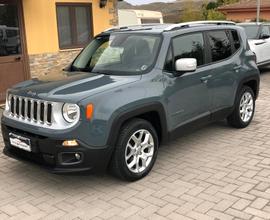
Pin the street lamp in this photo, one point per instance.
(258, 10)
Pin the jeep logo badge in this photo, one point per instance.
(31, 93)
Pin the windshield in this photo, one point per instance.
(251, 31)
(119, 54)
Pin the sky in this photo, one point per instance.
(139, 2)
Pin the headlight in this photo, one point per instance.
(7, 102)
(71, 112)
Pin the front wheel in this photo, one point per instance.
(136, 150)
(244, 108)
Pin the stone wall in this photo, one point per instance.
(53, 63)
(50, 63)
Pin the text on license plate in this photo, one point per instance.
(20, 142)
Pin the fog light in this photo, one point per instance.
(70, 158)
(78, 156)
(70, 143)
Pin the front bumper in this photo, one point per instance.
(48, 152)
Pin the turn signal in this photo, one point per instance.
(89, 111)
(70, 143)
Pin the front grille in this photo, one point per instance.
(33, 110)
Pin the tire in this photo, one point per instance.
(121, 163)
(237, 119)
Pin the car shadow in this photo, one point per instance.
(265, 69)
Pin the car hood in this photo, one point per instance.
(70, 86)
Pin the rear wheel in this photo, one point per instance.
(244, 108)
(136, 150)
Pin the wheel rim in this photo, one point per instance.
(139, 151)
(246, 107)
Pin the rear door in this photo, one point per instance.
(222, 68)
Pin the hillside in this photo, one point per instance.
(171, 11)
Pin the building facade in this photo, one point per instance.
(41, 37)
(246, 11)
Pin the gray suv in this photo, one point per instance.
(128, 91)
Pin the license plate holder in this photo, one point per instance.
(20, 142)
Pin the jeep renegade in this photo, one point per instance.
(129, 90)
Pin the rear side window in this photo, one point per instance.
(236, 39)
(220, 45)
(189, 46)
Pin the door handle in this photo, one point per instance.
(17, 58)
(206, 78)
(260, 43)
(237, 67)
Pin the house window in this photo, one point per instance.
(74, 25)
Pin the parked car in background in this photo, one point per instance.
(259, 41)
(9, 40)
(127, 17)
(129, 90)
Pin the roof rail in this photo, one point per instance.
(197, 23)
(131, 26)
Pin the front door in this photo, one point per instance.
(13, 63)
(187, 95)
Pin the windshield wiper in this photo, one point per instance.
(89, 70)
(98, 72)
(74, 68)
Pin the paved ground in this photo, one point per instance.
(215, 173)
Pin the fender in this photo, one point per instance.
(121, 118)
(247, 79)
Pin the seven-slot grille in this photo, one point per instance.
(33, 110)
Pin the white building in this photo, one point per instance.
(135, 17)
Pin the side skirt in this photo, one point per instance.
(189, 127)
(199, 123)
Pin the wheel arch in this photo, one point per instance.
(149, 112)
(253, 82)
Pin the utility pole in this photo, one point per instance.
(258, 10)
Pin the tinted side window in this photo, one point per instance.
(236, 39)
(189, 46)
(220, 45)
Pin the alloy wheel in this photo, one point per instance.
(246, 107)
(139, 151)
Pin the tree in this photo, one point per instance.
(226, 2)
(213, 14)
(190, 13)
(212, 5)
(209, 10)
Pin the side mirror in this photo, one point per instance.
(186, 65)
(265, 36)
